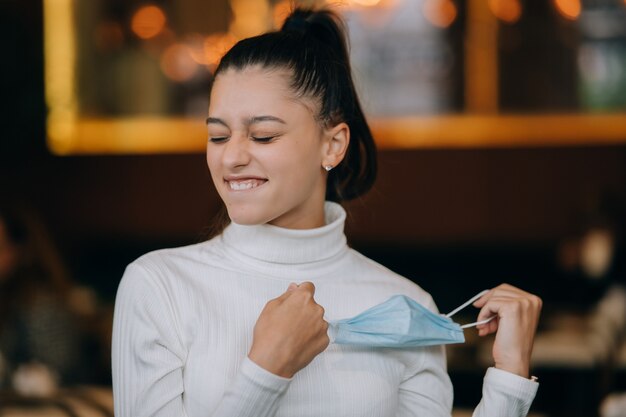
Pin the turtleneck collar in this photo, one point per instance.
(278, 245)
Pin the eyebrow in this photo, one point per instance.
(215, 121)
(248, 122)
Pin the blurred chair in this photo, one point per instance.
(468, 413)
(84, 402)
(613, 315)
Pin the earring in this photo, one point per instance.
(328, 167)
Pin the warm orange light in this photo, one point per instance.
(376, 5)
(250, 17)
(148, 22)
(214, 47)
(440, 13)
(367, 3)
(281, 11)
(508, 11)
(195, 43)
(60, 51)
(177, 63)
(569, 9)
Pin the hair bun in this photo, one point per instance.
(297, 21)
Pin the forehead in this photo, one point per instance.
(256, 89)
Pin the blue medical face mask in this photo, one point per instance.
(400, 322)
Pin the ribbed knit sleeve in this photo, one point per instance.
(505, 394)
(255, 392)
(149, 355)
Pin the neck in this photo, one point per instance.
(274, 244)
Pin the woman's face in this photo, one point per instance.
(266, 150)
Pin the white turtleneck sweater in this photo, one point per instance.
(183, 328)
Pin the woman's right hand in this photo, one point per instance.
(290, 332)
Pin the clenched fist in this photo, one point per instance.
(290, 332)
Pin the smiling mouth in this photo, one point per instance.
(243, 185)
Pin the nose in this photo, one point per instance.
(236, 151)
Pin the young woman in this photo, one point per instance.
(236, 326)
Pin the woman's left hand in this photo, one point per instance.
(517, 314)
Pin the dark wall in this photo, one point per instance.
(498, 195)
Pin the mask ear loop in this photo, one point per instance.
(478, 323)
(465, 304)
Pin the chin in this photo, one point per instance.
(247, 217)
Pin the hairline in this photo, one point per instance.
(311, 103)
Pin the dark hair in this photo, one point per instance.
(313, 46)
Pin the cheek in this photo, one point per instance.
(300, 164)
(212, 159)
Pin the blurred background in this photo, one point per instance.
(501, 127)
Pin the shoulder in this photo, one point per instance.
(388, 282)
(180, 257)
(162, 269)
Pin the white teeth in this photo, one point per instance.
(244, 185)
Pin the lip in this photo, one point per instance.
(243, 178)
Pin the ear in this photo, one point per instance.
(336, 141)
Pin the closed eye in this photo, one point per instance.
(218, 139)
(264, 139)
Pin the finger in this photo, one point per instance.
(291, 288)
(307, 286)
(492, 307)
(482, 300)
(508, 289)
(512, 288)
(490, 327)
(516, 308)
(503, 290)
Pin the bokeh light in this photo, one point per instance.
(569, 9)
(366, 3)
(281, 11)
(148, 22)
(508, 11)
(178, 64)
(215, 46)
(208, 50)
(250, 17)
(440, 13)
(195, 43)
